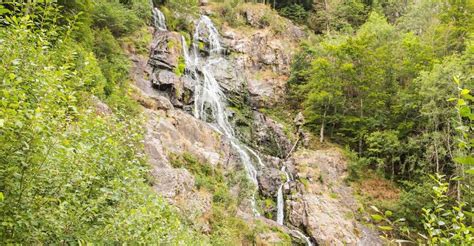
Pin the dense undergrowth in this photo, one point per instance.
(72, 170)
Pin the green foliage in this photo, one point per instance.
(387, 225)
(465, 124)
(141, 8)
(227, 227)
(383, 148)
(116, 17)
(179, 70)
(445, 223)
(176, 21)
(70, 173)
(344, 16)
(229, 11)
(112, 61)
(139, 41)
(207, 177)
(183, 7)
(294, 12)
(413, 198)
(382, 91)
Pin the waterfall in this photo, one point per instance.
(209, 99)
(159, 20)
(304, 237)
(281, 207)
(280, 200)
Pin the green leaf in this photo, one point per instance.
(465, 160)
(456, 80)
(388, 213)
(464, 111)
(461, 102)
(385, 228)
(470, 171)
(4, 10)
(465, 92)
(2, 122)
(376, 217)
(375, 208)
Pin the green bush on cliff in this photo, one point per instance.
(116, 17)
(227, 227)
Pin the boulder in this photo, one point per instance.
(166, 80)
(226, 74)
(269, 179)
(162, 103)
(263, 59)
(270, 136)
(165, 50)
(171, 182)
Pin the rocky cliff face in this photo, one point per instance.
(252, 75)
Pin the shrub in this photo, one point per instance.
(294, 12)
(69, 175)
(116, 17)
(113, 63)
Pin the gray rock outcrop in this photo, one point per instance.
(323, 204)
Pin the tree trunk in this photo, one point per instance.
(436, 155)
(361, 116)
(321, 132)
(326, 8)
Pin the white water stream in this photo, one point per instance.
(304, 237)
(280, 200)
(209, 100)
(159, 20)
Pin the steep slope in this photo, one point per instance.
(250, 65)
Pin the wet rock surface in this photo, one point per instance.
(269, 136)
(165, 50)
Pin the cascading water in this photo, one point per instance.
(209, 100)
(159, 20)
(280, 201)
(304, 237)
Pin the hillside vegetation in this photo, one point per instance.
(72, 169)
(390, 81)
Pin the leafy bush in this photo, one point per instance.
(229, 11)
(113, 63)
(176, 21)
(445, 223)
(139, 41)
(70, 173)
(184, 7)
(116, 17)
(294, 12)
